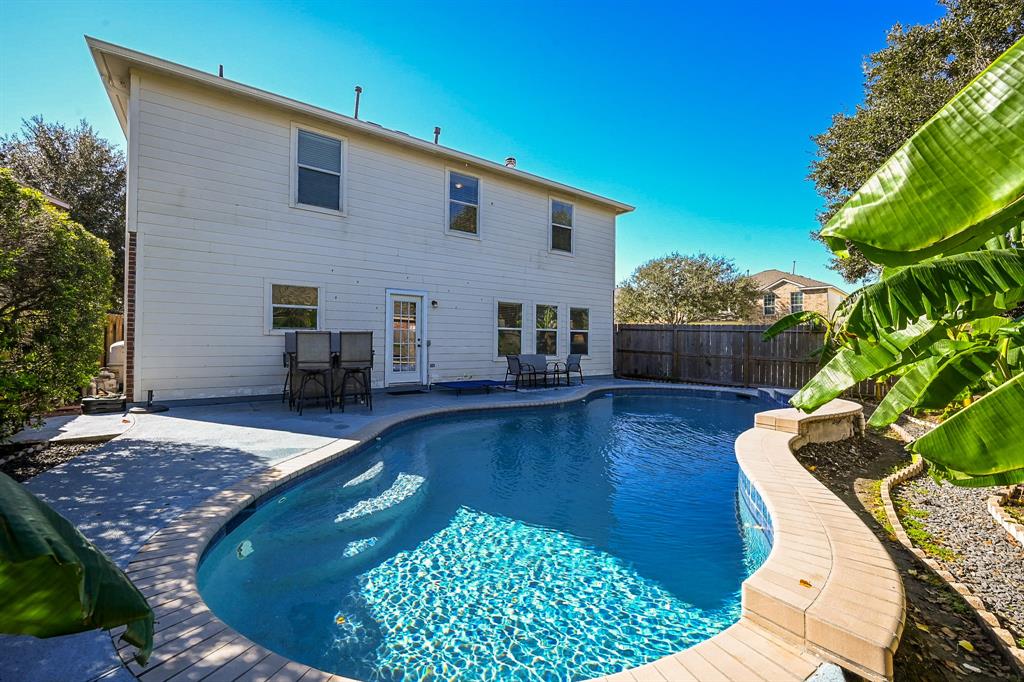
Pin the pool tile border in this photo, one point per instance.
(850, 611)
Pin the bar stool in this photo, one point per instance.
(314, 363)
(355, 362)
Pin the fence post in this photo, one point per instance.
(677, 370)
(747, 369)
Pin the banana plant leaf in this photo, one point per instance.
(981, 445)
(53, 581)
(934, 382)
(967, 481)
(955, 184)
(792, 320)
(973, 284)
(862, 360)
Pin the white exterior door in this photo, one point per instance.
(405, 339)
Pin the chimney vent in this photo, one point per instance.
(510, 162)
(359, 91)
(437, 133)
(220, 70)
(794, 268)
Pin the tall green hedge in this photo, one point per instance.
(55, 281)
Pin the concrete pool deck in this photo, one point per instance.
(167, 484)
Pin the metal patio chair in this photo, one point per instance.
(314, 364)
(573, 364)
(355, 363)
(288, 357)
(523, 372)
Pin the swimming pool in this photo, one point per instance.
(563, 542)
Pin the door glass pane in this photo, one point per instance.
(403, 342)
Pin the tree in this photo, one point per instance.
(905, 83)
(81, 169)
(55, 286)
(679, 289)
(944, 216)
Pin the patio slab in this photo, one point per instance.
(77, 428)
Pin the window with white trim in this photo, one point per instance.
(318, 170)
(547, 329)
(294, 307)
(579, 330)
(561, 226)
(796, 301)
(510, 328)
(769, 305)
(463, 203)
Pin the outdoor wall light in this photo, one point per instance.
(433, 304)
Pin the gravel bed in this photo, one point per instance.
(939, 621)
(23, 462)
(986, 560)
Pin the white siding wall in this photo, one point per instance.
(215, 225)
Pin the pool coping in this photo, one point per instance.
(786, 629)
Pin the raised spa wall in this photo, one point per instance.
(828, 591)
(828, 585)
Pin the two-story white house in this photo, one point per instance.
(250, 214)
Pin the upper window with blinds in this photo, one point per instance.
(318, 174)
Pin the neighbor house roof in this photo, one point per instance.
(115, 64)
(767, 278)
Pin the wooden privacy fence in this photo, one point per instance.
(727, 355)
(113, 331)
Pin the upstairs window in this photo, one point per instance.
(579, 330)
(547, 329)
(510, 328)
(796, 302)
(769, 305)
(318, 171)
(294, 307)
(463, 203)
(561, 226)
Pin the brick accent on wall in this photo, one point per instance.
(129, 318)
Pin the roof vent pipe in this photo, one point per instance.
(437, 133)
(359, 91)
(794, 268)
(510, 162)
(220, 70)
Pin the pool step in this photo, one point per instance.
(355, 555)
(364, 479)
(405, 488)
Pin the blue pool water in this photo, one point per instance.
(558, 543)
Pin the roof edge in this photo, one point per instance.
(102, 50)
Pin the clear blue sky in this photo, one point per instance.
(698, 115)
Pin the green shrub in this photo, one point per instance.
(55, 281)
